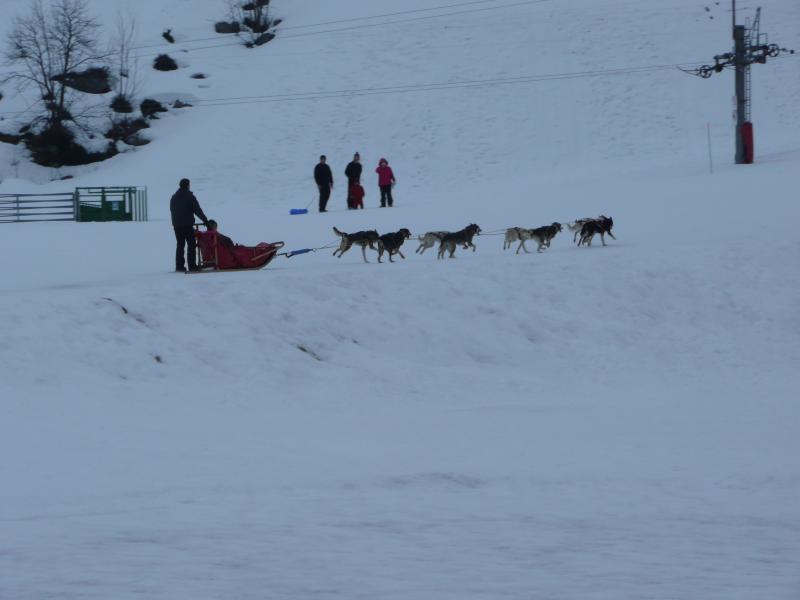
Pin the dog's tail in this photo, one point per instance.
(339, 233)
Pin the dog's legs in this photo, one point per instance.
(522, 246)
(603, 238)
(401, 254)
(612, 235)
(344, 248)
(364, 253)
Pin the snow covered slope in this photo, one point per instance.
(606, 422)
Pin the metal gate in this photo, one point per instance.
(111, 204)
(84, 204)
(25, 208)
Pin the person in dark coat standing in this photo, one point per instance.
(324, 178)
(385, 181)
(353, 174)
(184, 207)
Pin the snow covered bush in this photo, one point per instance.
(164, 62)
(120, 104)
(150, 108)
(127, 131)
(250, 18)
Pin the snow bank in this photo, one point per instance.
(599, 422)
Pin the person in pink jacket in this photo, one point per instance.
(385, 181)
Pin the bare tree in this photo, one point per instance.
(47, 45)
(124, 64)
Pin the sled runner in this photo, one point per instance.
(214, 256)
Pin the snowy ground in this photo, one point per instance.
(615, 422)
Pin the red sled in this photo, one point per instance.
(213, 256)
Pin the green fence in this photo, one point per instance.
(110, 204)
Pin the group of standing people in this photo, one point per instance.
(323, 176)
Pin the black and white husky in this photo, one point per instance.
(542, 235)
(602, 226)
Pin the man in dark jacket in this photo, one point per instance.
(184, 207)
(324, 179)
(353, 174)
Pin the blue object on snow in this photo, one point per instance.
(298, 211)
(296, 252)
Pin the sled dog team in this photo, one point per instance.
(584, 231)
(184, 207)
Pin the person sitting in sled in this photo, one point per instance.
(356, 196)
(222, 240)
(220, 252)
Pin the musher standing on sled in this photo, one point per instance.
(184, 207)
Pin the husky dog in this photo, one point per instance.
(391, 242)
(517, 234)
(429, 239)
(463, 237)
(601, 225)
(576, 226)
(544, 235)
(359, 238)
